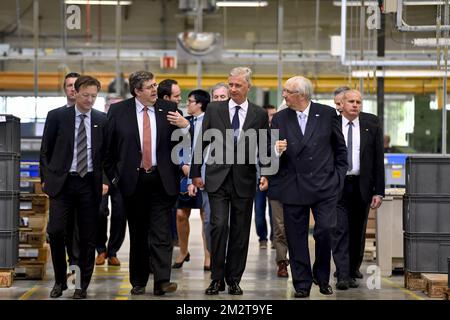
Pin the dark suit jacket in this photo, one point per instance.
(124, 153)
(313, 167)
(371, 157)
(217, 117)
(57, 148)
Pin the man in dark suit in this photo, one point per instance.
(311, 172)
(72, 153)
(231, 185)
(363, 187)
(139, 162)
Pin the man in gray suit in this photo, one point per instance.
(231, 186)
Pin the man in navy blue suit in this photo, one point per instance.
(313, 163)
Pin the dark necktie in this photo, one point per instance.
(82, 148)
(192, 130)
(350, 146)
(235, 124)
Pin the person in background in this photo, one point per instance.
(168, 89)
(118, 222)
(193, 199)
(72, 153)
(338, 95)
(363, 187)
(220, 92)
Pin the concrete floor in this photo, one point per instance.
(259, 281)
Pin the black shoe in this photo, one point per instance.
(353, 283)
(137, 290)
(79, 294)
(234, 289)
(302, 293)
(178, 265)
(357, 275)
(315, 281)
(214, 287)
(165, 287)
(57, 290)
(342, 285)
(325, 289)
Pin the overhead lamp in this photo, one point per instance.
(399, 73)
(242, 3)
(100, 2)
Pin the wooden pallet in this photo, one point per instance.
(414, 281)
(31, 271)
(436, 284)
(6, 278)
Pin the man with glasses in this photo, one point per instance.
(313, 163)
(139, 163)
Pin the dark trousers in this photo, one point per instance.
(296, 223)
(260, 215)
(72, 240)
(78, 195)
(229, 243)
(118, 223)
(349, 236)
(148, 214)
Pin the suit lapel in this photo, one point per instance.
(71, 114)
(250, 117)
(224, 113)
(131, 113)
(160, 122)
(94, 132)
(311, 124)
(364, 132)
(293, 123)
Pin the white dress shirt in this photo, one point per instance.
(87, 125)
(140, 120)
(356, 143)
(242, 112)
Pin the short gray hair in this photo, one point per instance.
(302, 85)
(137, 79)
(218, 86)
(340, 90)
(245, 71)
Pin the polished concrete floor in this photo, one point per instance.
(259, 281)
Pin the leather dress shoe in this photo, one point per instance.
(357, 275)
(342, 284)
(57, 290)
(352, 283)
(101, 258)
(178, 265)
(325, 289)
(113, 261)
(282, 269)
(214, 287)
(302, 293)
(234, 289)
(79, 294)
(165, 287)
(137, 290)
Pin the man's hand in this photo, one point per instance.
(198, 182)
(105, 189)
(281, 146)
(185, 169)
(192, 190)
(263, 184)
(177, 119)
(376, 202)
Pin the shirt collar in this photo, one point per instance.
(78, 112)
(140, 106)
(345, 121)
(199, 117)
(306, 111)
(232, 105)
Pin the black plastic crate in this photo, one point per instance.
(9, 249)
(428, 175)
(426, 252)
(9, 172)
(426, 214)
(9, 211)
(9, 133)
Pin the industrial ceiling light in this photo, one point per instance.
(100, 2)
(242, 3)
(399, 73)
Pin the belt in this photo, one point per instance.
(152, 169)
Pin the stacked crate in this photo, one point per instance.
(426, 214)
(33, 249)
(9, 196)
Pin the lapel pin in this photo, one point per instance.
(159, 109)
(367, 129)
(317, 115)
(95, 125)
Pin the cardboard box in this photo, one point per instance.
(6, 278)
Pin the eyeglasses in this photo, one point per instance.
(290, 92)
(151, 86)
(190, 101)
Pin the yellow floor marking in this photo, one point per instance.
(29, 293)
(409, 292)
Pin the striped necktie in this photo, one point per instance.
(82, 165)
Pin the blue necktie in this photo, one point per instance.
(235, 124)
(192, 130)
